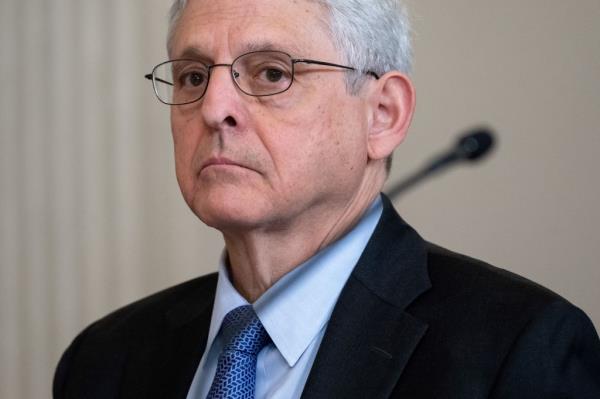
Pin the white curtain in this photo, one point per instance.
(87, 187)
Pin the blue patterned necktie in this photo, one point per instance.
(244, 337)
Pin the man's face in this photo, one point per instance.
(267, 163)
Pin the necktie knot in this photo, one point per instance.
(242, 331)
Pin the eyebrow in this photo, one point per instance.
(191, 53)
(195, 53)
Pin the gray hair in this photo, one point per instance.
(370, 35)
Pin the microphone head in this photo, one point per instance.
(475, 144)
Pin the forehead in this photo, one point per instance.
(215, 27)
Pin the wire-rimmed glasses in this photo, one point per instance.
(257, 73)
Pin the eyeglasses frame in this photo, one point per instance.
(294, 61)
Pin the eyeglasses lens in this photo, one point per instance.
(260, 73)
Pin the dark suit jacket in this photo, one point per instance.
(413, 321)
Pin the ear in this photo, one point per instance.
(392, 104)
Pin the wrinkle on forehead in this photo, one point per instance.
(248, 15)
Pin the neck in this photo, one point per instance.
(259, 258)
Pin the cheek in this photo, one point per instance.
(343, 137)
(185, 143)
(324, 144)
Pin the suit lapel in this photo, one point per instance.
(370, 337)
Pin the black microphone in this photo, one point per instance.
(470, 147)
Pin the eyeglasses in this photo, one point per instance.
(258, 74)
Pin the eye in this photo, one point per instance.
(192, 78)
(273, 75)
(196, 79)
(189, 75)
(263, 73)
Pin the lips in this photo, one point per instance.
(222, 161)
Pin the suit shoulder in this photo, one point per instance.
(99, 353)
(471, 298)
(458, 275)
(481, 316)
(148, 311)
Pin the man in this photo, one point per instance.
(284, 116)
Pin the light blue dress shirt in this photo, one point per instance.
(294, 311)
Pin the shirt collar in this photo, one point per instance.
(227, 298)
(299, 305)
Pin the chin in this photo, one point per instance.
(228, 214)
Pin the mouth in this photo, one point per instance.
(223, 162)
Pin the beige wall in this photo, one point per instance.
(532, 71)
(90, 213)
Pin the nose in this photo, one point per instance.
(221, 105)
